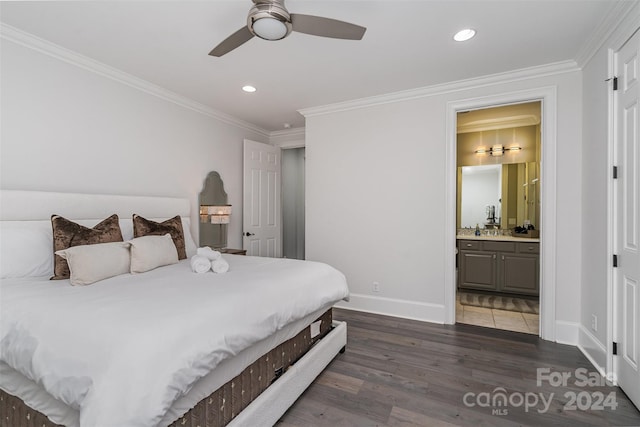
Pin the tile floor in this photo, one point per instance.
(499, 319)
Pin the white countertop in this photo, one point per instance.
(497, 238)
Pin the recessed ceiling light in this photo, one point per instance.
(464, 35)
(248, 88)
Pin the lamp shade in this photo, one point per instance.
(219, 219)
(219, 214)
(219, 210)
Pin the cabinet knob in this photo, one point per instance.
(494, 256)
(530, 248)
(469, 245)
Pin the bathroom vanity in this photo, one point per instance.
(504, 264)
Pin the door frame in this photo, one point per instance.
(548, 98)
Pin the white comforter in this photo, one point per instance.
(123, 349)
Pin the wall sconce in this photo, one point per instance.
(497, 150)
(215, 214)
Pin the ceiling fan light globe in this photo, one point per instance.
(269, 28)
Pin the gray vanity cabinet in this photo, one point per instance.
(519, 273)
(477, 269)
(510, 267)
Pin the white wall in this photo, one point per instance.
(594, 201)
(375, 197)
(65, 128)
(596, 181)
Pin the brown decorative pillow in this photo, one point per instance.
(68, 233)
(173, 226)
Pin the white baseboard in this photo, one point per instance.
(567, 332)
(570, 333)
(425, 312)
(593, 350)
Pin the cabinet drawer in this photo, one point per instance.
(489, 245)
(469, 244)
(528, 248)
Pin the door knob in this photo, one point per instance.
(249, 234)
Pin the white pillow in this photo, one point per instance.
(26, 249)
(126, 226)
(91, 263)
(149, 252)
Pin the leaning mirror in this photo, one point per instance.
(214, 212)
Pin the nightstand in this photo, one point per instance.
(232, 251)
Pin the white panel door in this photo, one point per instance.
(627, 206)
(262, 225)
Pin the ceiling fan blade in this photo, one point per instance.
(233, 41)
(326, 27)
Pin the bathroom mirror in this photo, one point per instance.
(498, 153)
(512, 189)
(212, 194)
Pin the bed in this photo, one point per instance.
(163, 347)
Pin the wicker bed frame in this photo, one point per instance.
(216, 410)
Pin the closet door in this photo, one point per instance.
(627, 219)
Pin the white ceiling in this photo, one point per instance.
(408, 44)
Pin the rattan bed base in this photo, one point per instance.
(216, 410)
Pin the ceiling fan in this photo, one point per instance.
(270, 20)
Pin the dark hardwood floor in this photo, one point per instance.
(398, 372)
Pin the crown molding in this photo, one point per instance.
(288, 138)
(626, 28)
(441, 89)
(288, 133)
(46, 47)
(619, 12)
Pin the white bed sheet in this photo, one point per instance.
(132, 379)
(37, 397)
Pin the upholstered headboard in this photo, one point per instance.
(19, 205)
(26, 238)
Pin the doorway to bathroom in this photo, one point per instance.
(550, 329)
(498, 157)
